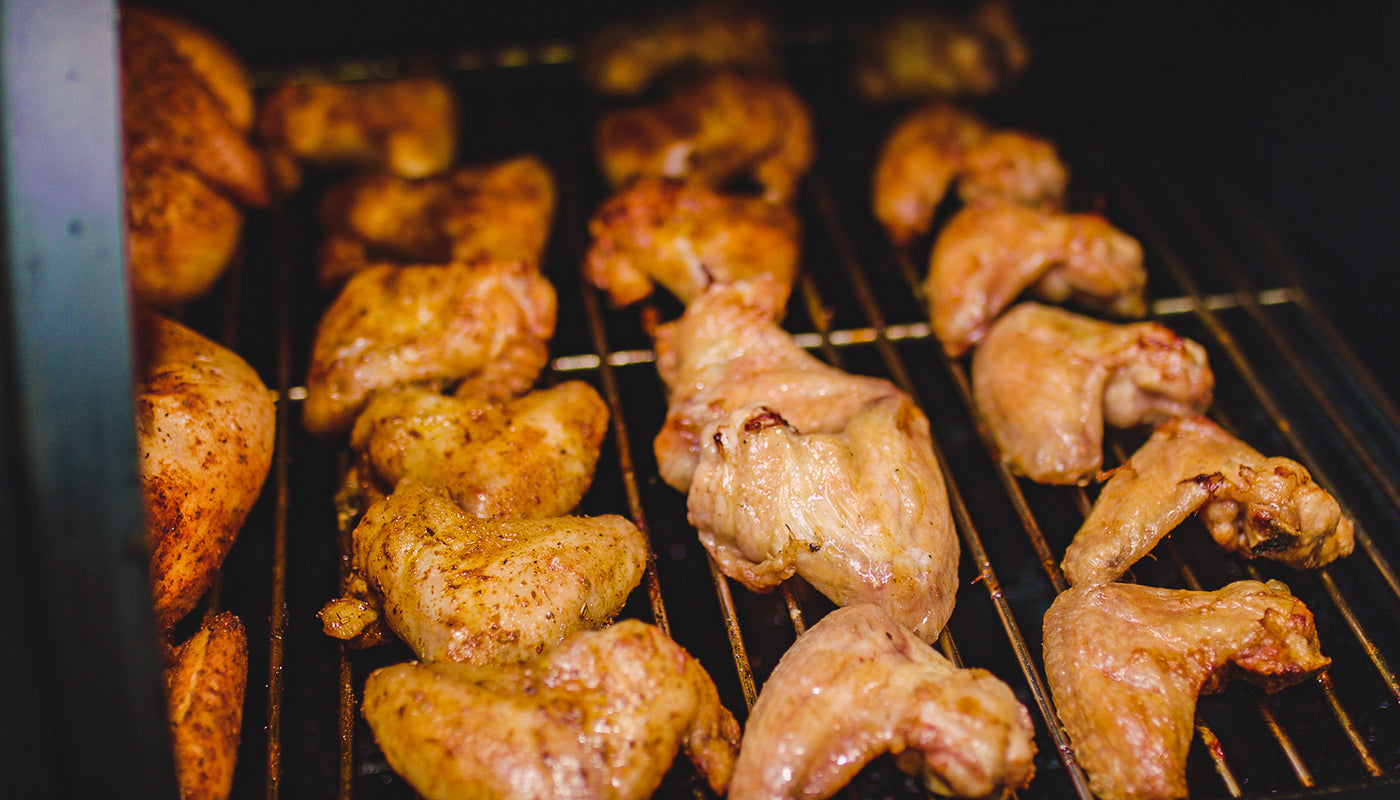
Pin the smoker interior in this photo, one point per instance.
(1287, 384)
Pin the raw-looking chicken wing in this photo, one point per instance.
(406, 126)
(920, 52)
(715, 130)
(458, 588)
(625, 58)
(861, 514)
(485, 323)
(1253, 506)
(502, 209)
(857, 685)
(531, 456)
(1047, 380)
(1126, 663)
(939, 144)
(988, 254)
(726, 352)
(204, 688)
(686, 236)
(205, 427)
(602, 716)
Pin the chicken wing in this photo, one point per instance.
(1125, 664)
(486, 323)
(205, 426)
(726, 352)
(861, 514)
(602, 715)
(625, 58)
(1047, 380)
(939, 144)
(988, 254)
(716, 130)
(503, 209)
(204, 688)
(532, 456)
(857, 685)
(686, 236)
(219, 68)
(1254, 506)
(458, 588)
(406, 126)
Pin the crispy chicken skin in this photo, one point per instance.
(988, 254)
(458, 588)
(686, 236)
(503, 209)
(486, 323)
(625, 58)
(727, 351)
(406, 126)
(1253, 506)
(204, 688)
(714, 130)
(857, 685)
(920, 52)
(1047, 380)
(602, 715)
(1125, 664)
(939, 144)
(861, 514)
(205, 429)
(532, 456)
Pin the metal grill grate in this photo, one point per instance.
(1287, 385)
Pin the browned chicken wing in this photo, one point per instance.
(857, 685)
(686, 236)
(602, 715)
(216, 63)
(205, 428)
(532, 456)
(861, 513)
(938, 144)
(502, 210)
(918, 52)
(1254, 506)
(988, 254)
(406, 126)
(625, 58)
(1047, 380)
(204, 688)
(1125, 664)
(718, 129)
(181, 233)
(727, 351)
(458, 588)
(486, 323)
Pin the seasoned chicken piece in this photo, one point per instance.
(406, 126)
(987, 255)
(686, 236)
(857, 685)
(1253, 506)
(1125, 664)
(205, 427)
(1047, 380)
(503, 209)
(204, 687)
(219, 68)
(920, 52)
(602, 715)
(532, 456)
(938, 144)
(727, 352)
(181, 234)
(625, 58)
(861, 514)
(486, 323)
(458, 588)
(716, 130)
